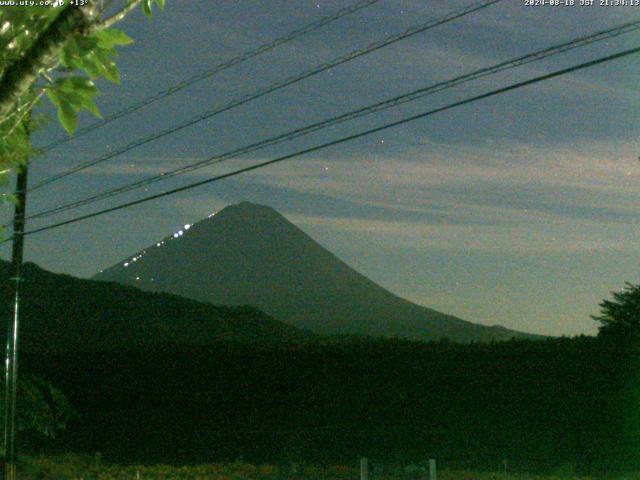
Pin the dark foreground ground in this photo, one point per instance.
(73, 467)
(541, 405)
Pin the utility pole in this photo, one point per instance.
(11, 373)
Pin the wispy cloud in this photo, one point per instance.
(490, 184)
(559, 237)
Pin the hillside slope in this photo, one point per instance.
(63, 313)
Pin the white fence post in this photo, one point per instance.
(433, 474)
(364, 468)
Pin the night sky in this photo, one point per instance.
(520, 210)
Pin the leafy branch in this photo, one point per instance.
(34, 42)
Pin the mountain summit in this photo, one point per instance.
(249, 254)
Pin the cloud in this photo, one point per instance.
(493, 184)
(561, 237)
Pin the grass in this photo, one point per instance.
(75, 467)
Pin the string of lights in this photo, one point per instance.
(272, 88)
(341, 140)
(377, 107)
(213, 71)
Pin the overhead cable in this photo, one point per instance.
(341, 140)
(377, 107)
(212, 71)
(270, 89)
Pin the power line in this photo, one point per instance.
(272, 88)
(213, 71)
(342, 140)
(395, 101)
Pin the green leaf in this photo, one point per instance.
(146, 7)
(7, 197)
(68, 117)
(66, 57)
(98, 63)
(75, 84)
(108, 68)
(54, 97)
(74, 56)
(160, 4)
(112, 37)
(88, 104)
(85, 44)
(69, 102)
(77, 92)
(89, 64)
(73, 99)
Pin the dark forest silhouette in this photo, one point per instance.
(157, 378)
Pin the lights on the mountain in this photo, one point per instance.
(175, 235)
(137, 278)
(211, 214)
(187, 226)
(158, 244)
(134, 259)
(181, 232)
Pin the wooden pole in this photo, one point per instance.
(364, 468)
(11, 365)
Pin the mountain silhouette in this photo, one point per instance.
(61, 313)
(249, 254)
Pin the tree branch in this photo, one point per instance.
(112, 20)
(19, 76)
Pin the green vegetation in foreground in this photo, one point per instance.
(75, 467)
(542, 405)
